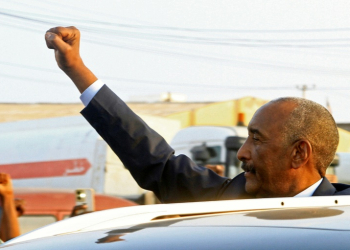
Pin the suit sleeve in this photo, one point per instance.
(150, 160)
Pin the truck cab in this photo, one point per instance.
(213, 145)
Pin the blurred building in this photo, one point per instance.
(228, 113)
(345, 126)
(164, 97)
(172, 106)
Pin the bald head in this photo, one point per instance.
(312, 122)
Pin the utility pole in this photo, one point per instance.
(304, 87)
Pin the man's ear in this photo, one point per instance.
(301, 153)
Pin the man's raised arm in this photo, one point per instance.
(146, 154)
(65, 42)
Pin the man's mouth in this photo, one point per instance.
(248, 168)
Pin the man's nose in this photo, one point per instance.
(244, 152)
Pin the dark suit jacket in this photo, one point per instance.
(152, 162)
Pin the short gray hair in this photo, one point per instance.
(314, 123)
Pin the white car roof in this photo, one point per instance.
(120, 217)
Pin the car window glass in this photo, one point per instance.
(66, 217)
(31, 222)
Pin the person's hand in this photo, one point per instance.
(9, 223)
(79, 210)
(65, 42)
(20, 206)
(5, 185)
(219, 169)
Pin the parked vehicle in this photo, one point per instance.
(215, 145)
(343, 169)
(44, 206)
(66, 152)
(275, 223)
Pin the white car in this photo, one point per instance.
(276, 223)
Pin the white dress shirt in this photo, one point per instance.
(90, 92)
(310, 190)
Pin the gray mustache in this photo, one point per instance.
(248, 167)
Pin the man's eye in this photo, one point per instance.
(255, 138)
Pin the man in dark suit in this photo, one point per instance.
(291, 142)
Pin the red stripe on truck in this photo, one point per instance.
(46, 168)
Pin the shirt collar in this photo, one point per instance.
(310, 190)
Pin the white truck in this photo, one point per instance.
(342, 171)
(66, 152)
(213, 145)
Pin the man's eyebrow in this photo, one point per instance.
(255, 131)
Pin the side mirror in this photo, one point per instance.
(234, 142)
(202, 153)
(335, 161)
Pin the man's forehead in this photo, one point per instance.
(270, 116)
(276, 109)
